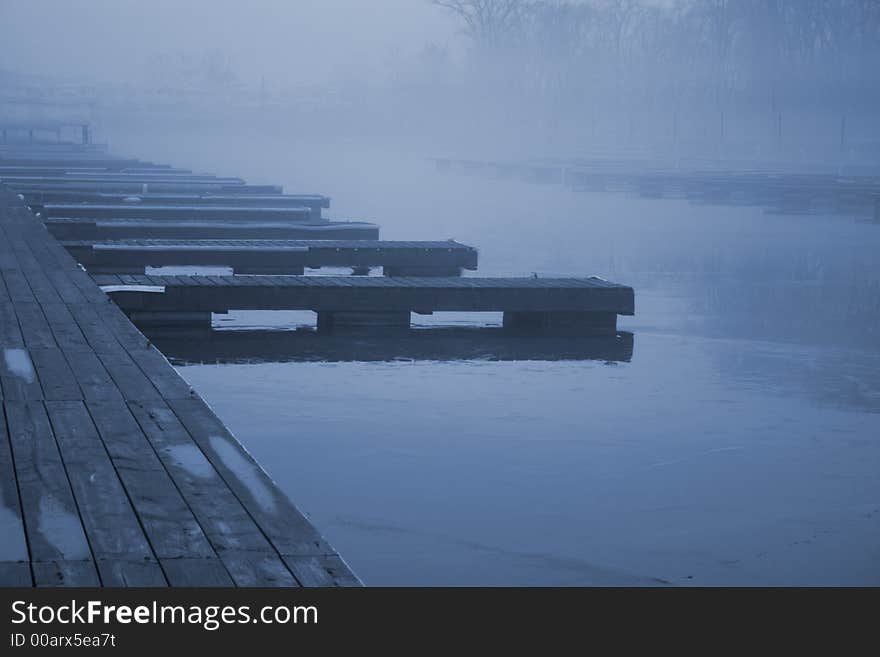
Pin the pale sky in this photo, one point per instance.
(286, 40)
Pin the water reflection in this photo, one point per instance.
(425, 344)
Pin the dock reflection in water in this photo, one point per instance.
(436, 344)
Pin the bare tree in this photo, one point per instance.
(487, 22)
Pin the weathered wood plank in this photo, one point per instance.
(288, 530)
(13, 544)
(129, 378)
(119, 573)
(196, 572)
(110, 522)
(65, 573)
(54, 526)
(167, 520)
(34, 327)
(241, 546)
(91, 375)
(160, 372)
(324, 571)
(64, 328)
(10, 331)
(15, 573)
(57, 380)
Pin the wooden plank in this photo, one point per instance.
(110, 522)
(54, 527)
(97, 333)
(162, 375)
(64, 328)
(129, 378)
(237, 539)
(119, 573)
(323, 571)
(57, 380)
(168, 522)
(15, 574)
(263, 568)
(91, 375)
(10, 331)
(65, 573)
(13, 544)
(196, 572)
(288, 530)
(34, 326)
(115, 321)
(17, 285)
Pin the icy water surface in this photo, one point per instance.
(740, 445)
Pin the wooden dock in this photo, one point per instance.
(779, 188)
(275, 256)
(113, 471)
(79, 228)
(156, 212)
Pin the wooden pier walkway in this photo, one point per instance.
(112, 470)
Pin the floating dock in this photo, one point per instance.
(275, 256)
(563, 306)
(780, 188)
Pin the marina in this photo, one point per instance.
(114, 471)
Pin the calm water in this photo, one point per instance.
(740, 445)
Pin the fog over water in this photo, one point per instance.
(738, 445)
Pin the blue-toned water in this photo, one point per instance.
(739, 445)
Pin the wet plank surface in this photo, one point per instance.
(112, 470)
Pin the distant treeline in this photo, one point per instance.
(627, 59)
(774, 51)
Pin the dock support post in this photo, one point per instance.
(85, 134)
(269, 271)
(369, 322)
(561, 323)
(169, 319)
(415, 270)
(113, 269)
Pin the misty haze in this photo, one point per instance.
(721, 158)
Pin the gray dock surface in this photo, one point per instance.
(113, 471)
